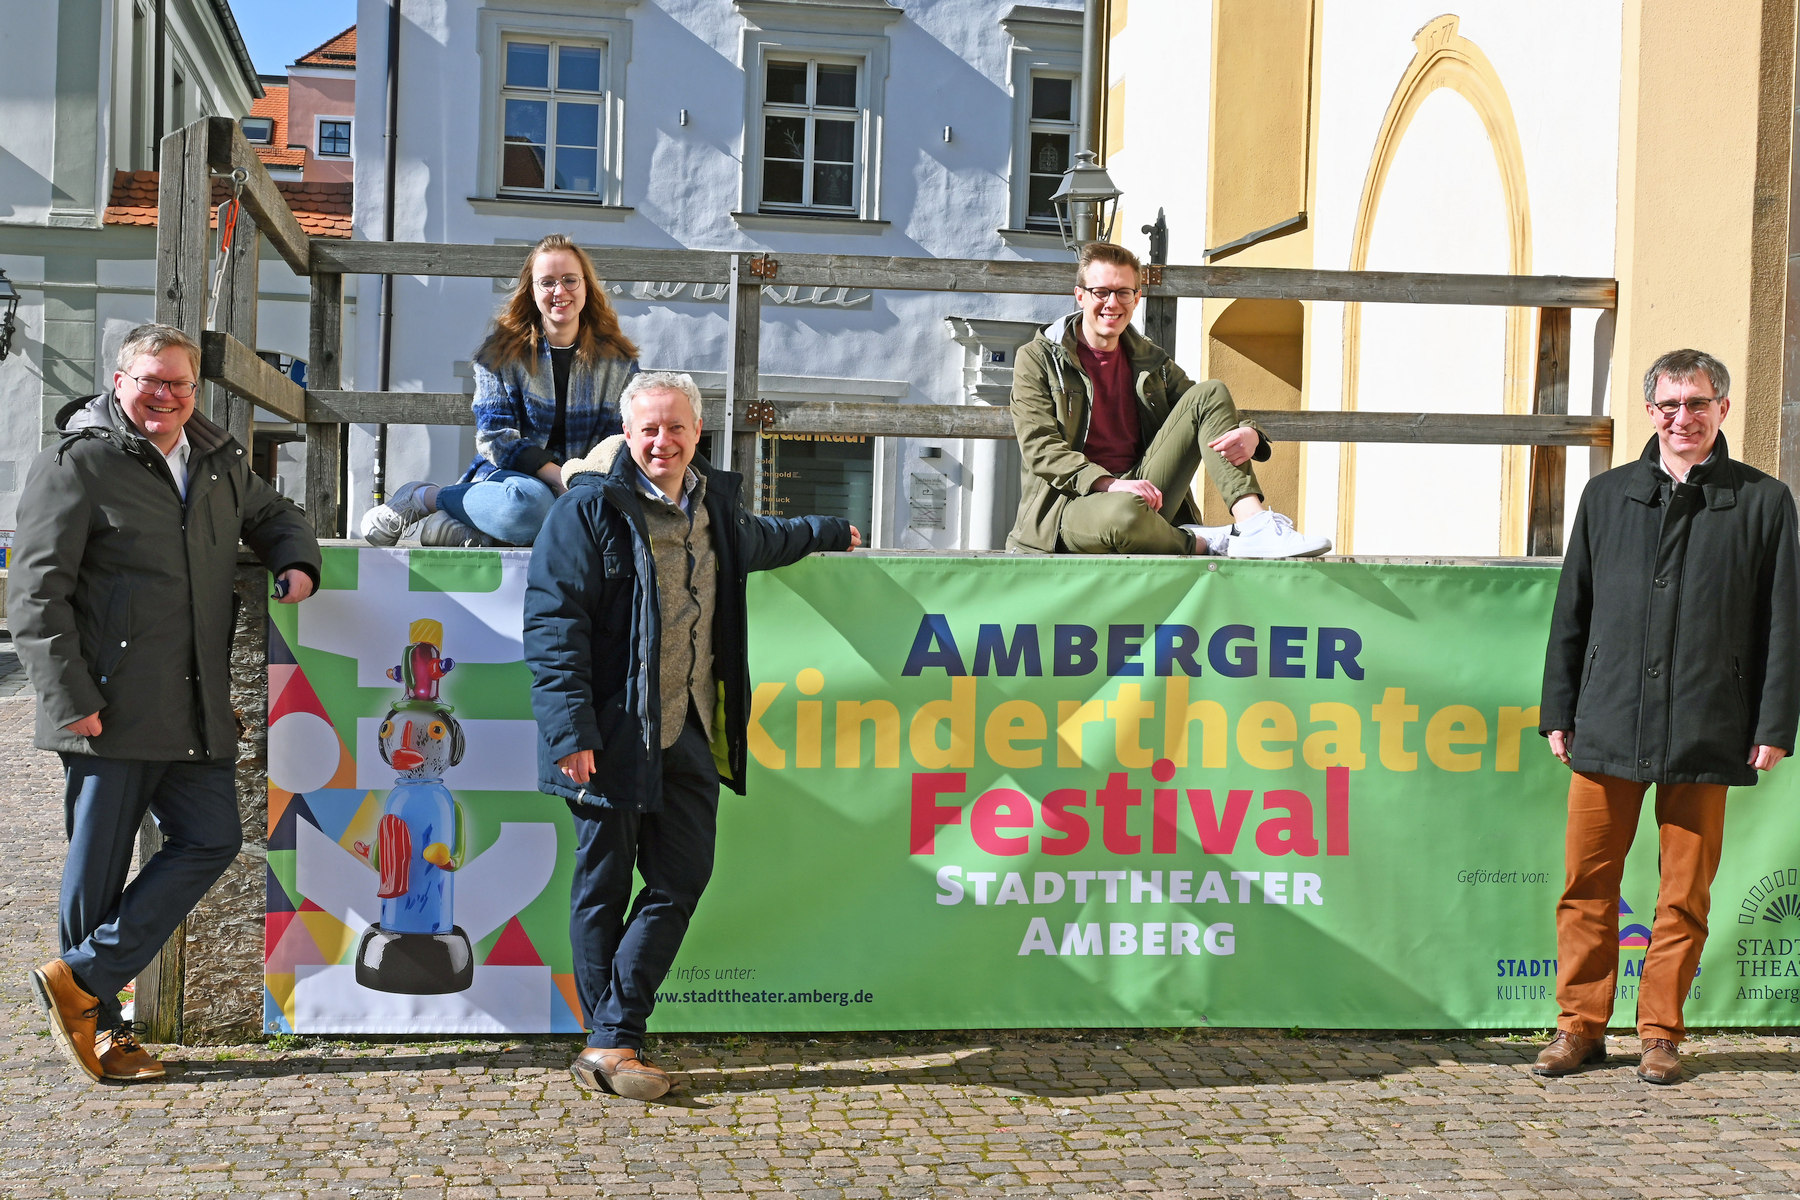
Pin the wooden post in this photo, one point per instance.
(1544, 529)
(325, 441)
(183, 213)
(236, 315)
(744, 350)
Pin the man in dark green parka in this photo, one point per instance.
(122, 605)
(1671, 661)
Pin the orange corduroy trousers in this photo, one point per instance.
(1603, 817)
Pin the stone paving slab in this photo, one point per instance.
(1208, 1113)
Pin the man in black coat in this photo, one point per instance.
(635, 631)
(1671, 661)
(122, 606)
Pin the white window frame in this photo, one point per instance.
(244, 124)
(1045, 42)
(812, 113)
(319, 136)
(1022, 156)
(596, 22)
(842, 33)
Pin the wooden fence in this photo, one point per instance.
(194, 155)
(216, 144)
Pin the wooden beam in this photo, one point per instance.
(1447, 429)
(1390, 287)
(228, 150)
(877, 419)
(981, 275)
(183, 199)
(325, 441)
(1544, 525)
(329, 405)
(234, 366)
(503, 262)
(234, 313)
(743, 350)
(183, 240)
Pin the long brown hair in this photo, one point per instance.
(518, 326)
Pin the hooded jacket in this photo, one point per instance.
(1673, 640)
(121, 597)
(1051, 400)
(593, 627)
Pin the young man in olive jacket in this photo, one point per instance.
(122, 605)
(1671, 661)
(1111, 433)
(635, 629)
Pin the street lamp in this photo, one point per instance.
(9, 297)
(1087, 193)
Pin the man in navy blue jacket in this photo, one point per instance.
(635, 629)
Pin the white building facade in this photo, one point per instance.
(927, 128)
(77, 108)
(1382, 135)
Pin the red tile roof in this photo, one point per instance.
(340, 51)
(274, 105)
(323, 209)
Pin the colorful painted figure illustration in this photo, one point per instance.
(416, 947)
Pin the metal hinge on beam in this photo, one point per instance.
(761, 414)
(764, 267)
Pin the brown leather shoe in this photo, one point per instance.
(72, 1014)
(1660, 1061)
(122, 1059)
(1569, 1052)
(620, 1070)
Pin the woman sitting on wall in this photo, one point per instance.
(547, 384)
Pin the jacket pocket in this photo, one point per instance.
(1587, 673)
(115, 632)
(1737, 690)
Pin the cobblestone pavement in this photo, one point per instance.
(1209, 1113)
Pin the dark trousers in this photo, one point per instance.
(110, 929)
(620, 959)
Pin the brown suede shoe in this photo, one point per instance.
(123, 1060)
(1660, 1062)
(72, 1014)
(1569, 1052)
(622, 1071)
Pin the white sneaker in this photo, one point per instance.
(442, 529)
(1210, 539)
(386, 524)
(1271, 535)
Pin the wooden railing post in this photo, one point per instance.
(324, 371)
(236, 316)
(183, 211)
(744, 351)
(1544, 529)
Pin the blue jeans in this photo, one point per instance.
(110, 930)
(508, 506)
(620, 961)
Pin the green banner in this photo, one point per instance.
(1143, 792)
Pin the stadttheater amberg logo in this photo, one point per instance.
(1768, 942)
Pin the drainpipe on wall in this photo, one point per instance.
(1093, 13)
(157, 116)
(385, 350)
